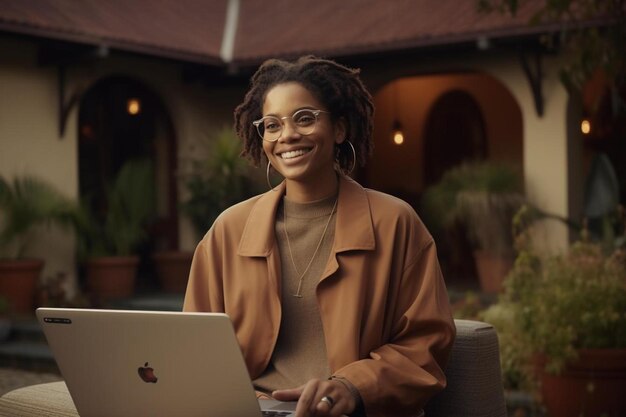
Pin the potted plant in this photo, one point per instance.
(482, 197)
(565, 326)
(218, 177)
(108, 239)
(26, 202)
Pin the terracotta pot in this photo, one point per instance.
(112, 277)
(593, 386)
(172, 269)
(492, 269)
(18, 283)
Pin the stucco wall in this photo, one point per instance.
(29, 126)
(30, 142)
(552, 163)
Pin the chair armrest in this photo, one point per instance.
(474, 381)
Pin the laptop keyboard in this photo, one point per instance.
(270, 413)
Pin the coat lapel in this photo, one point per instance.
(354, 229)
(258, 240)
(258, 235)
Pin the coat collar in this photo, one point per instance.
(354, 229)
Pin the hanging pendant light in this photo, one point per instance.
(133, 106)
(397, 132)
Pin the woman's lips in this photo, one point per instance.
(294, 154)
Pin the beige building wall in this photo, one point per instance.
(552, 146)
(29, 126)
(30, 143)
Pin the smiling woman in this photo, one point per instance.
(303, 151)
(346, 311)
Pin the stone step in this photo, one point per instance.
(26, 350)
(29, 355)
(27, 330)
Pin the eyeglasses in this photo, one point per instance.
(270, 128)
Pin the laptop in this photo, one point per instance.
(152, 363)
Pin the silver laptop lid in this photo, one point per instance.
(140, 363)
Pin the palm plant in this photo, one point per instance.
(218, 178)
(483, 197)
(480, 198)
(26, 202)
(121, 226)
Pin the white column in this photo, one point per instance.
(548, 154)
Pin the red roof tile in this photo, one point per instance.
(182, 29)
(293, 27)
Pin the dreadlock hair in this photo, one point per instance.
(337, 87)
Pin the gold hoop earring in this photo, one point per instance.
(267, 176)
(353, 157)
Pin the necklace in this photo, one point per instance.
(319, 244)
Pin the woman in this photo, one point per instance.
(334, 290)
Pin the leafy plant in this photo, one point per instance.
(483, 197)
(217, 179)
(569, 302)
(591, 33)
(27, 202)
(119, 227)
(515, 353)
(556, 305)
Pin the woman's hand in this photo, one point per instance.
(338, 399)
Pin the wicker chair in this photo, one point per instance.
(474, 379)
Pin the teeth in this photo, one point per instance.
(293, 154)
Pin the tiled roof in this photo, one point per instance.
(327, 27)
(189, 30)
(193, 30)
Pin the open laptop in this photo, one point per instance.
(144, 363)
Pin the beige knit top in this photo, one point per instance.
(300, 352)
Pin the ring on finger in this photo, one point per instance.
(328, 400)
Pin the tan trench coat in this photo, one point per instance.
(382, 299)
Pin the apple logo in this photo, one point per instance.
(146, 373)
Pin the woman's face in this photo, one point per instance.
(306, 159)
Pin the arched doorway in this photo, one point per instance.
(121, 119)
(454, 132)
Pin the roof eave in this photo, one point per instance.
(113, 44)
(519, 33)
